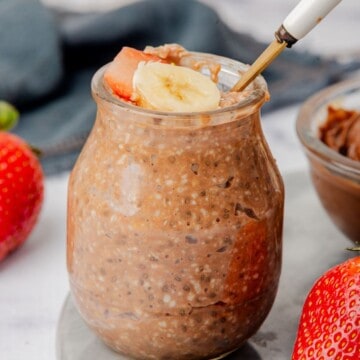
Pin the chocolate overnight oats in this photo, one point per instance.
(175, 222)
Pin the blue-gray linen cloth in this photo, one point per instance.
(47, 59)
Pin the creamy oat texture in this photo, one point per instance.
(174, 233)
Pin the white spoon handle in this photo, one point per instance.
(306, 15)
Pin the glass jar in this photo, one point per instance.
(175, 225)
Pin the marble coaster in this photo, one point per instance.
(312, 244)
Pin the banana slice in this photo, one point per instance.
(174, 88)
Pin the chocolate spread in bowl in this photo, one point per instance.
(339, 190)
(341, 132)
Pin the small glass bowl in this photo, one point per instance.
(336, 178)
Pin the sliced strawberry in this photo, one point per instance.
(119, 74)
(249, 256)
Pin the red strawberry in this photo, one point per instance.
(21, 191)
(330, 322)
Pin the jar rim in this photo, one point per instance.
(307, 129)
(250, 103)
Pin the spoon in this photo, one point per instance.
(301, 20)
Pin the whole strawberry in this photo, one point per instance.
(329, 327)
(21, 189)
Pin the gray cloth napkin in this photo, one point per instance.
(47, 60)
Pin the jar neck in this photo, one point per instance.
(123, 130)
(113, 117)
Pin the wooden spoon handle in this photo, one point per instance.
(261, 63)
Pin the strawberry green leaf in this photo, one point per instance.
(8, 116)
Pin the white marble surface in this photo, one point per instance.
(33, 281)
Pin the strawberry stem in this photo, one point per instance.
(356, 248)
(8, 116)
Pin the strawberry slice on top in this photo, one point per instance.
(119, 74)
